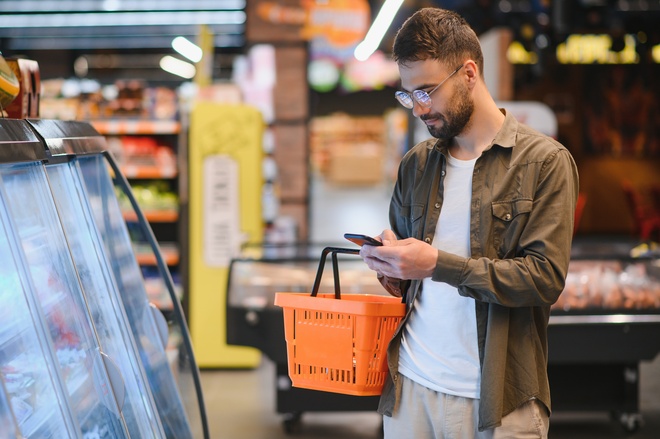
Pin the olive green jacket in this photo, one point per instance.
(524, 191)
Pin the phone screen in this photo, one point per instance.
(361, 239)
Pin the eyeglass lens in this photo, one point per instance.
(422, 97)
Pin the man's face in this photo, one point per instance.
(452, 105)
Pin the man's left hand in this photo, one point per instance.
(401, 259)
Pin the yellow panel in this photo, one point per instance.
(229, 132)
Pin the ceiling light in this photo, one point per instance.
(96, 19)
(177, 67)
(377, 30)
(187, 48)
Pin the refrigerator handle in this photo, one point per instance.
(161, 324)
(116, 380)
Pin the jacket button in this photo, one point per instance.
(437, 205)
(507, 217)
(427, 240)
(442, 173)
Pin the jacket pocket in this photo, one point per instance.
(509, 220)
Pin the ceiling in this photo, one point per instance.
(139, 32)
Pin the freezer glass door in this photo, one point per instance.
(83, 371)
(147, 324)
(27, 362)
(101, 292)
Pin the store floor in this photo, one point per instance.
(240, 404)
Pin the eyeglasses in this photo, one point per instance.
(423, 98)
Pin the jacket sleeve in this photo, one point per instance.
(536, 275)
(397, 287)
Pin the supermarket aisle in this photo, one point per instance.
(241, 405)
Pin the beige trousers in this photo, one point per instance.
(423, 413)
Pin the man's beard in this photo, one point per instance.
(457, 116)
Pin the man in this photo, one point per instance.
(482, 221)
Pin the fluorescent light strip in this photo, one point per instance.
(188, 49)
(377, 30)
(177, 67)
(122, 19)
(35, 6)
(139, 42)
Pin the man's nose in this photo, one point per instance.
(418, 110)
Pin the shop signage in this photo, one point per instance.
(585, 49)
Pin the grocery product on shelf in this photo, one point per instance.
(609, 285)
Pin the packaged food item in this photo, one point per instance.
(9, 86)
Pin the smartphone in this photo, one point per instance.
(361, 239)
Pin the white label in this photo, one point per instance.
(221, 238)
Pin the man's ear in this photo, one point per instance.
(471, 71)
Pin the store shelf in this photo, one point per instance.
(145, 256)
(154, 216)
(148, 172)
(136, 127)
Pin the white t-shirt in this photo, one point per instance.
(439, 346)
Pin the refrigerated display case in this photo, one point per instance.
(59, 296)
(605, 323)
(27, 361)
(164, 343)
(88, 353)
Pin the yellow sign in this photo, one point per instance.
(596, 49)
(225, 157)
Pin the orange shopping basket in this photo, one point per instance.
(338, 343)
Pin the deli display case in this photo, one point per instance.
(82, 352)
(605, 323)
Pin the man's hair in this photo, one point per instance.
(438, 34)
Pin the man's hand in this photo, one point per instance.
(400, 259)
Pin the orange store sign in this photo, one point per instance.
(341, 22)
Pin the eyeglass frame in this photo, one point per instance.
(414, 95)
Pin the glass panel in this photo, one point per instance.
(8, 427)
(158, 362)
(62, 304)
(27, 365)
(108, 313)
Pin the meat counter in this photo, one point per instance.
(605, 323)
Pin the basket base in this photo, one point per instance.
(333, 389)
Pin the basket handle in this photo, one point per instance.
(335, 267)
